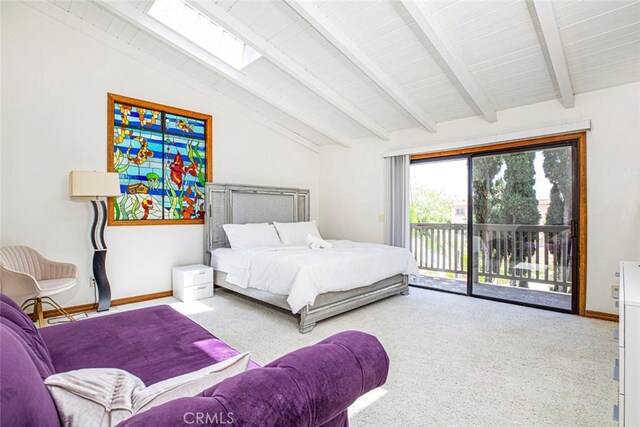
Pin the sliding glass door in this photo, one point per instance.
(522, 217)
(439, 223)
(520, 241)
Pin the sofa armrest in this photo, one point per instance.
(312, 386)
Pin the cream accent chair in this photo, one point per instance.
(24, 273)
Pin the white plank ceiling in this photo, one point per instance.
(498, 46)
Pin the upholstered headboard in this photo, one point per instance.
(242, 204)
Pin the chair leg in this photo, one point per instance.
(31, 302)
(54, 304)
(38, 311)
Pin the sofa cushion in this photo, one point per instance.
(24, 399)
(17, 320)
(153, 343)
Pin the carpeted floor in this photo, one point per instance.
(455, 361)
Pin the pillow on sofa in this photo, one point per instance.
(106, 396)
(36, 349)
(24, 400)
(17, 320)
(295, 233)
(242, 236)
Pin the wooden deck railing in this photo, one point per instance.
(519, 253)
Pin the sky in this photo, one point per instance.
(450, 177)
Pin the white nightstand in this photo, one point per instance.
(192, 282)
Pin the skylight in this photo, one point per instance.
(199, 29)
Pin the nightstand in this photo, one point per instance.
(192, 282)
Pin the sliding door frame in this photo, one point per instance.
(578, 142)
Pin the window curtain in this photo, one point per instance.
(397, 215)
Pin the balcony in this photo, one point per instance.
(523, 263)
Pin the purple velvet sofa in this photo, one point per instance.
(312, 386)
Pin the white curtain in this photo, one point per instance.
(397, 212)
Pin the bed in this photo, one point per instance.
(239, 204)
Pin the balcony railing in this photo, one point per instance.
(514, 252)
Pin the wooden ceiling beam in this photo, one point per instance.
(153, 63)
(451, 58)
(131, 14)
(558, 68)
(286, 64)
(310, 13)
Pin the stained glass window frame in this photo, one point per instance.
(168, 159)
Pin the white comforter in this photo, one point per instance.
(303, 273)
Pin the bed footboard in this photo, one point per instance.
(327, 305)
(334, 303)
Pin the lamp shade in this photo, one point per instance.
(94, 184)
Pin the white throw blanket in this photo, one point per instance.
(303, 273)
(104, 397)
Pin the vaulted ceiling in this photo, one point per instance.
(334, 71)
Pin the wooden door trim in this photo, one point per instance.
(582, 222)
(566, 137)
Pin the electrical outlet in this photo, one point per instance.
(92, 282)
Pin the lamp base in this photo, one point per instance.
(102, 282)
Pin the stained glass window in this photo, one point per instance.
(163, 156)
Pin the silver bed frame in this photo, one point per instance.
(241, 204)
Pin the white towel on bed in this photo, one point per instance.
(315, 242)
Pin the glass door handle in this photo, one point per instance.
(574, 229)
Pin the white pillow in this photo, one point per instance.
(295, 233)
(105, 396)
(242, 236)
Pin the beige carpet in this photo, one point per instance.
(455, 361)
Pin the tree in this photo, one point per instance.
(519, 204)
(557, 169)
(555, 212)
(429, 206)
(485, 190)
(486, 195)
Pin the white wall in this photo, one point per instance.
(352, 194)
(54, 87)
